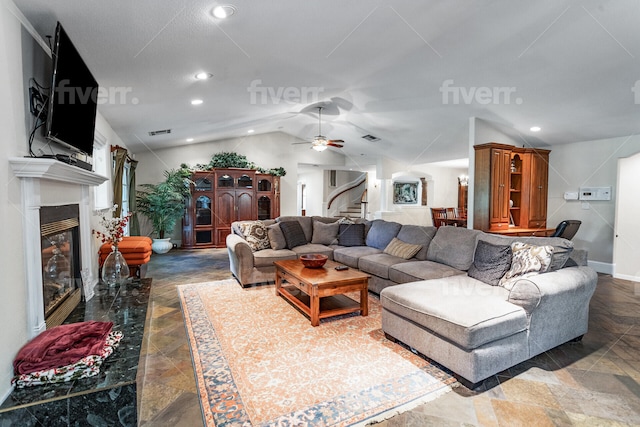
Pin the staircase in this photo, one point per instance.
(353, 212)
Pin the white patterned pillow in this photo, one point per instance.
(526, 260)
(255, 233)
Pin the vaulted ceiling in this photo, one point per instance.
(409, 72)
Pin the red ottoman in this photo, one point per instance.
(136, 250)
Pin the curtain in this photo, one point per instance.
(121, 158)
(134, 225)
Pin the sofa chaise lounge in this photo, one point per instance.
(444, 293)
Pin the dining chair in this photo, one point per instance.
(439, 216)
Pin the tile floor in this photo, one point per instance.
(592, 383)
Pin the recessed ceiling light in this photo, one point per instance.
(535, 128)
(189, 139)
(224, 11)
(196, 101)
(250, 131)
(203, 75)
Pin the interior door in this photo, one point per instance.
(626, 245)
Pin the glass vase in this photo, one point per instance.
(115, 270)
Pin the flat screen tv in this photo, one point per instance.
(71, 116)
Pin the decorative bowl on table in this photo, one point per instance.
(313, 260)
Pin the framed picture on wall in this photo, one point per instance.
(405, 193)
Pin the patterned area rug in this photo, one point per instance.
(259, 362)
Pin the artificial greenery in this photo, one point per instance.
(226, 160)
(163, 203)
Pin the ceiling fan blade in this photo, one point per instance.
(331, 144)
(336, 140)
(305, 142)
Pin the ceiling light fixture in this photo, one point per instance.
(189, 139)
(535, 128)
(223, 11)
(196, 101)
(203, 75)
(250, 131)
(319, 147)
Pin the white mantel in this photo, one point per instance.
(35, 173)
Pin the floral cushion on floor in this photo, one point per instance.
(88, 366)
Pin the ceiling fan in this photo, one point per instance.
(320, 142)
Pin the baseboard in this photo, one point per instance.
(601, 267)
(6, 394)
(627, 277)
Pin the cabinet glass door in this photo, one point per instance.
(203, 210)
(264, 208)
(264, 185)
(245, 181)
(225, 181)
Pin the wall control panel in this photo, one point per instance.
(595, 193)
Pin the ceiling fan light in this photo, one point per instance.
(319, 147)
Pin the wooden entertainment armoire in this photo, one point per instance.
(222, 196)
(510, 189)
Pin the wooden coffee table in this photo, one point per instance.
(319, 292)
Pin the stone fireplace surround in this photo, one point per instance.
(49, 182)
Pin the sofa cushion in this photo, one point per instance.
(460, 309)
(265, 257)
(526, 260)
(351, 235)
(293, 234)
(306, 222)
(378, 264)
(276, 238)
(325, 234)
(418, 235)
(312, 248)
(255, 233)
(562, 248)
(453, 246)
(412, 271)
(350, 255)
(490, 262)
(398, 248)
(381, 233)
(525, 293)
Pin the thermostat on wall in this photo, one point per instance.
(595, 193)
(571, 195)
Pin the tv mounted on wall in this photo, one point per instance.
(71, 117)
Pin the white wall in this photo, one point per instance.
(588, 164)
(21, 58)
(270, 150)
(442, 191)
(12, 119)
(571, 166)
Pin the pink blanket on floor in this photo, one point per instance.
(62, 345)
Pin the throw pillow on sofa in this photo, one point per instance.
(397, 247)
(351, 235)
(276, 238)
(490, 262)
(381, 233)
(293, 234)
(255, 233)
(325, 234)
(527, 259)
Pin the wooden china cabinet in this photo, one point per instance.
(510, 189)
(222, 196)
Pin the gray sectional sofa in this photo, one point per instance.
(445, 300)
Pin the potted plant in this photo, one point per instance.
(163, 205)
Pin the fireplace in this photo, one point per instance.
(45, 183)
(61, 263)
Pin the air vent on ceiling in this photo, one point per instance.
(159, 132)
(371, 138)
